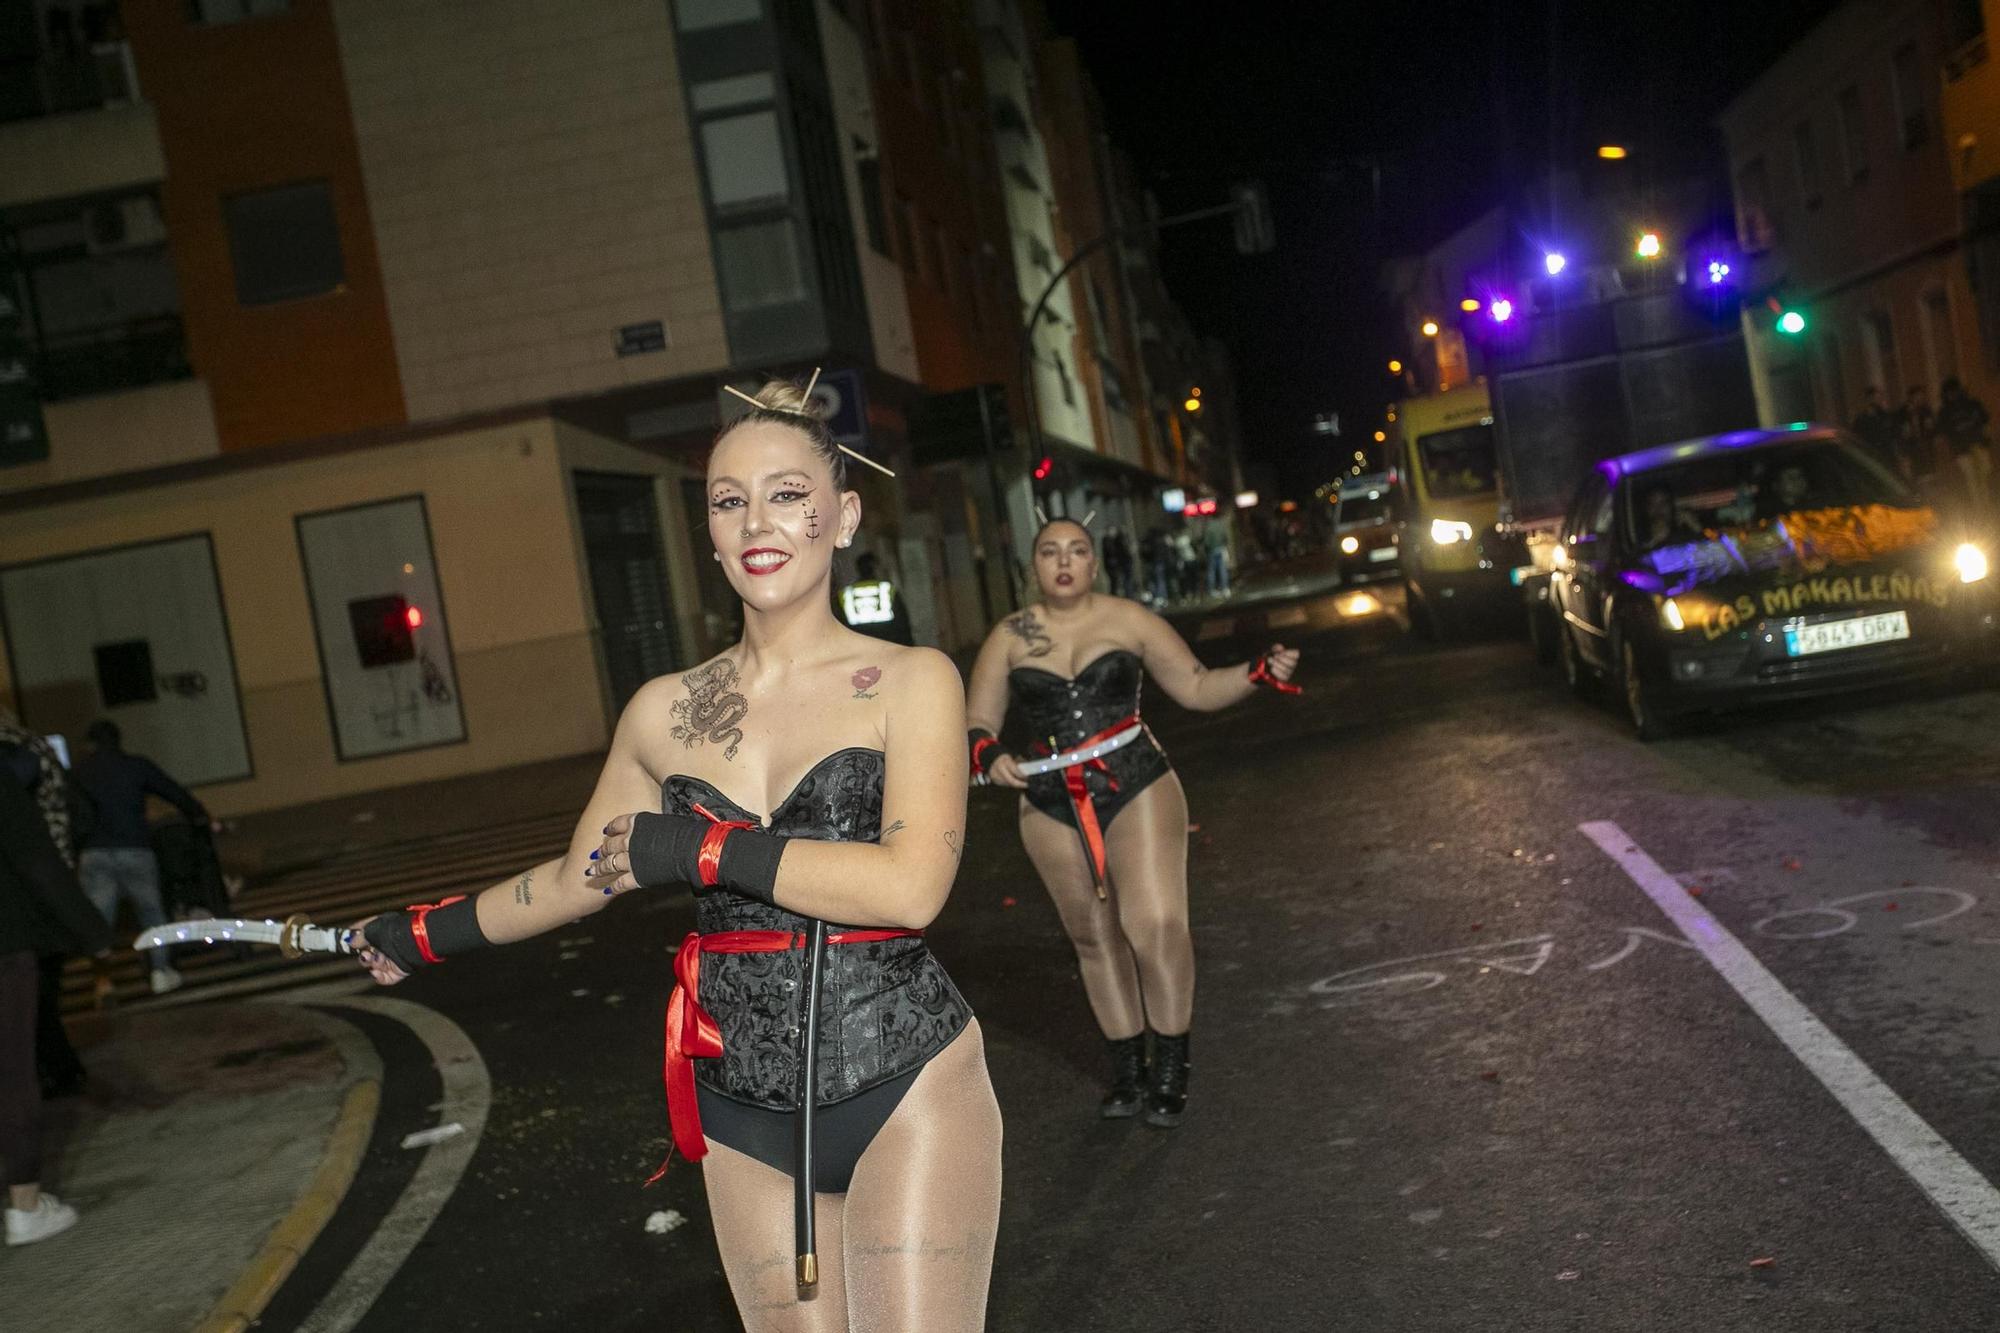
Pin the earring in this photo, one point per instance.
(717, 555)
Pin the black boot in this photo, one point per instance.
(1128, 1078)
(1166, 1097)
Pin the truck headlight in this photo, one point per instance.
(1670, 616)
(1970, 562)
(1349, 545)
(1445, 531)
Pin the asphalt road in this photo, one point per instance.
(1455, 1066)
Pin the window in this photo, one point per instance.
(868, 170)
(759, 265)
(1907, 77)
(745, 160)
(1853, 134)
(1878, 335)
(284, 243)
(234, 11)
(1805, 153)
(701, 15)
(1754, 223)
(740, 90)
(1939, 344)
(908, 229)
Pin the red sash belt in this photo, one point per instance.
(1079, 794)
(692, 1033)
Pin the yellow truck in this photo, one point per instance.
(1456, 561)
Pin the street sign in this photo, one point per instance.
(959, 425)
(842, 403)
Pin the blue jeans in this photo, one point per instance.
(113, 873)
(1218, 572)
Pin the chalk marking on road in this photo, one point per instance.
(468, 1094)
(1965, 1197)
(1835, 907)
(1523, 964)
(1340, 983)
(1633, 934)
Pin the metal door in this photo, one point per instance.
(628, 579)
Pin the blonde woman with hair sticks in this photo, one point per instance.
(828, 1077)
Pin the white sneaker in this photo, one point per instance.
(166, 979)
(50, 1217)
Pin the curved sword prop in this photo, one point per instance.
(294, 936)
(1071, 758)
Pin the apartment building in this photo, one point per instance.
(1843, 173)
(358, 361)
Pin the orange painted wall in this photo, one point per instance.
(246, 106)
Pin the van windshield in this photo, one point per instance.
(1457, 462)
(1368, 508)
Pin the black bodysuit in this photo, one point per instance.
(1103, 693)
(886, 1007)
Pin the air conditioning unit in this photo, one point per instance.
(131, 223)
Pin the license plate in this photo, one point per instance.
(1832, 635)
(1383, 553)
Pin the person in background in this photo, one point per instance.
(1187, 565)
(1916, 437)
(1875, 426)
(872, 605)
(42, 912)
(1118, 562)
(1962, 421)
(117, 861)
(1153, 550)
(1215, 549)
(59, 805)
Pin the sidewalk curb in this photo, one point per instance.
(245, 1301)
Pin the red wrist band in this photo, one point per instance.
(979, 748)
(708, 860)
(1260, 674)
(422, 932)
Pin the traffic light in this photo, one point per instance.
(1791, 323)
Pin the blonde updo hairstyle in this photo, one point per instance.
(784, 403)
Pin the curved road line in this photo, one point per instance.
(468, 1094)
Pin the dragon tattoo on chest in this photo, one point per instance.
(713, 709)
(1026, 628)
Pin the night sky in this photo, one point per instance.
(1449, 105)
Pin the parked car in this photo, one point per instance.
(1761, 564)
(1364, 528)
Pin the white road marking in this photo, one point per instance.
(1964, 1196)
(468, 1093)
(1214, 629)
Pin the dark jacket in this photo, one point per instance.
(117, 785)
(42, 907)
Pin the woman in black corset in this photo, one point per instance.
(1104, 820)
(852, 750)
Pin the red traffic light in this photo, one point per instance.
(413, 617)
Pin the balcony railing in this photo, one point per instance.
(104, 360)
(82, 80)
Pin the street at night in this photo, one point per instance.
(942, 666)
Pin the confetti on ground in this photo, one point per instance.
(424, 1138)
(667, 1219)
(1694, 890)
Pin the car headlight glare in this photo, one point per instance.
(1671, 617)
(1970, 562)
(1446, 531)
(1349, 545)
